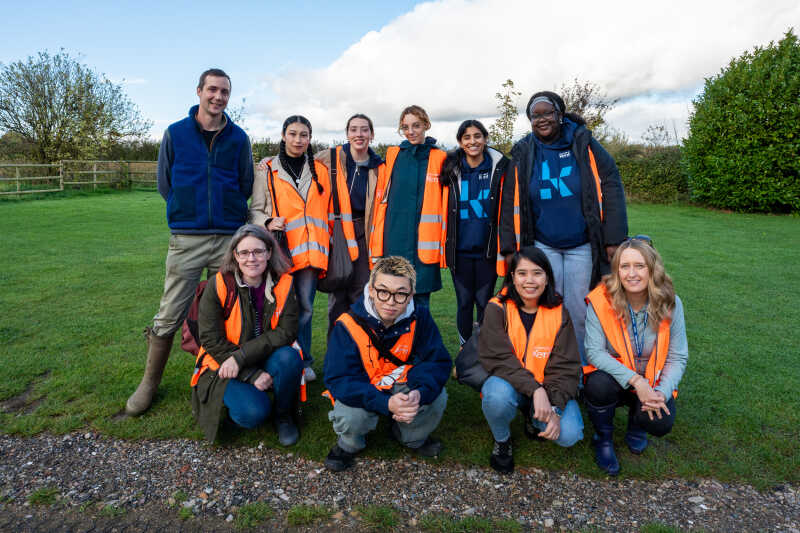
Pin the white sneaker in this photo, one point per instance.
(309, 374)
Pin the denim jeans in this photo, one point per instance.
(352, 424)
(501, 402)
(305, 287)
(572, 269)
(473, 280)
(249, 407)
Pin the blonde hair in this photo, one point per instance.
(660, 291)
(418, 112)
(394, 265)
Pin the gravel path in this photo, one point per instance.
(106, 484)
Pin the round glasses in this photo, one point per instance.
(258, 253)
(400, 297)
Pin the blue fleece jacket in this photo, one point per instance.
(206, 188)
(555, 191)
(347, 380)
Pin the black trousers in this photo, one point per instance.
(340, 301)
(601, 389)
(473, 279)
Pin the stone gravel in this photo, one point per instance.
(142, 485)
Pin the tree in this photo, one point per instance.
(64, 108)
(744, 140)
(502, 131)
(587, 99)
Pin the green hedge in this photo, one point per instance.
(651, 173)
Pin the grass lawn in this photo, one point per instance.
(80, 277)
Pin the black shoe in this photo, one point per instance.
(532, 432)
(502, 458)
(287, 430)
(430, 448)
(338, 459)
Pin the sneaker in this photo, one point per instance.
(338, 459)
(288, 433)
(430, 448)
(310, 375)
(502, 458)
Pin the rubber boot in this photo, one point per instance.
(635, 437)
(602, 418)
(158, 349)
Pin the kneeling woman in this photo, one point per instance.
(247, 322)
(527, 344)
(637, 350)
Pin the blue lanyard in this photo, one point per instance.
(638, 344)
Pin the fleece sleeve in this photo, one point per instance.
(246, 170)
(678, 353)
(166, 156)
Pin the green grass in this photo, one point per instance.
(441, 523)
(81, 276)
(306, 515)
(112, 511)
(185, 513)
(252, 515)
(43, 496)
(378, 517)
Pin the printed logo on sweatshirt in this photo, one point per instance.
(548, 184)
(466, 203)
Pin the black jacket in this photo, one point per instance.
(451, 176)
(612, 230)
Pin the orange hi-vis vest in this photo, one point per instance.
(532, 349)
(616, 333)
(233, 325)
(345, 209)
(432, 229)
(308, 229)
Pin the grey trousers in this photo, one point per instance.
(352, 424)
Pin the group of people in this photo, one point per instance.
(585, 313)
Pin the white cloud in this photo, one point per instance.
(451, 56)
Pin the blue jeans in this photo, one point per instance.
(249, 407)
(501, 401)
(572, 269)
(305, 287)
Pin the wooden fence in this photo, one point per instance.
(27, 178)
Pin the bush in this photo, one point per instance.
(651, 173)
(744, 133)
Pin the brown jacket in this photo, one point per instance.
(561, 374)
(324, 157)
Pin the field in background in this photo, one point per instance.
(81, 277)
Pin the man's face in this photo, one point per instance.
(390, 296)
(214, 95)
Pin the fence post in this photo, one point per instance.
(17, 176)
(94, 177)
(61, 174)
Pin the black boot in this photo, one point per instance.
(602, 418)
(636, 436)
(502, 458)
(288, 434)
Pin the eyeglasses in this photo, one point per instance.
(644, 238)
(540, 116)
(256, 252)
(384, 295)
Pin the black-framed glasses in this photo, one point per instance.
(255, 252)
(400, 297)
(644, 238)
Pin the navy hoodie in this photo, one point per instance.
(473, 208)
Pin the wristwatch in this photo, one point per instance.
(557, 411)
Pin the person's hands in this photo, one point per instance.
(229, 369)
(277, 223)
(652, 402)
(610, 251)
(542, 410)
(553, 429)
(263, 382)
(654, 407)
(403, 406)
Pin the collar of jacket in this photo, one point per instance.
(430, 142)
(268, 285)
(226, 124)
(374, 160)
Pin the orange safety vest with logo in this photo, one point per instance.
(233, 325)
(345, 209)
(432, 229)
(383, 374)
(532, 349)
(616, 333)
(308, 227)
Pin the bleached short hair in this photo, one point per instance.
(394, 265)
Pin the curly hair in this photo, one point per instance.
(418, 112)
(660, 291)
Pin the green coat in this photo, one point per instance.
(250, 353)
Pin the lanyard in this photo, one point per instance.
(638, 344)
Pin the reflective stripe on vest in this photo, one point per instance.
(593, 164)
(432, 229)
(383, 374)
(233, 326)
(616, 333)
(532, 349)
(307, 228)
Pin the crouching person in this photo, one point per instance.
(247, 322)
(527, 344)
(386, 357)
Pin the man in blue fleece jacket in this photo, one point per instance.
(386, 357)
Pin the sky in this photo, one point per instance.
(328, 60)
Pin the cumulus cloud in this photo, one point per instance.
(451, 57)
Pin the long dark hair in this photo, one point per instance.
(454, 157)
(549, 298)
(309, 151)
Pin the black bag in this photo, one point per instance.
(469, 370)
(279, 234)
(340, 266)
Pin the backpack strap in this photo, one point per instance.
(334, 186)
(383, 351)
(230, 294)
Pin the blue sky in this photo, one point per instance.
(327, 60)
